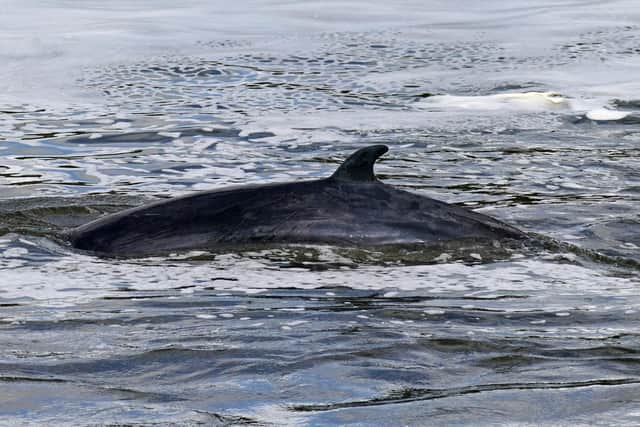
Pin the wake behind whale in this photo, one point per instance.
(350, 208)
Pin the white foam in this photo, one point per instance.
(606, 114)
(529, 101)
(206, 316)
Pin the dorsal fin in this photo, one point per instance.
(359, 165)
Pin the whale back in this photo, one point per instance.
(350, 208)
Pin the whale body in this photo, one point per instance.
(349, 208)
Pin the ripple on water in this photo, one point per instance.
(539, 335)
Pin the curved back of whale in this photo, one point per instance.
(359, 165)
(351, 207)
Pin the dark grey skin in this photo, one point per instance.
(350, 208)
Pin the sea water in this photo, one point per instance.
(525, 111)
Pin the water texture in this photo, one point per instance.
(526, 111)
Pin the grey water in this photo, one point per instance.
(525, 111)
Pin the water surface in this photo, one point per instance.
(526, 112)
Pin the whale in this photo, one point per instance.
(351, 208)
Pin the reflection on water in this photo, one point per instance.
(509, 110)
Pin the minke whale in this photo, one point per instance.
(351, 208)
